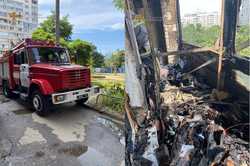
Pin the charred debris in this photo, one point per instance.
(180, 111)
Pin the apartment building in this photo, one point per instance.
(18, 19)
(244, 15)
(203, 18)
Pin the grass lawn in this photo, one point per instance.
(106, 79)
(113, 89)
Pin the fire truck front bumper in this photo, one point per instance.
(70, 96)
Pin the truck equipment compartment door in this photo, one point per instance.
(24, 70)
(24, 75)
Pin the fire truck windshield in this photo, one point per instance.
(50, 55)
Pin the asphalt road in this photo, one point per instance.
(70, 136)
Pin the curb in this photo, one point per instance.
(115, 117)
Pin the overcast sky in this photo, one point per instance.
(97, 21)
(191, 6)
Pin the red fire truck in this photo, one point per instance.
(41, 72)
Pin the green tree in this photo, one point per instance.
(199, 35)
(40, 34)
(66, 28)
(119, 4)
(207, 36)
(242, 36)
(97, 59)
(47, 29)
(116, 60)
(85, 53)
(82, 51)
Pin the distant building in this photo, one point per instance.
(244, 15)
(203, 18)
(18, 19)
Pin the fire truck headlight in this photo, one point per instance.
(59, 98)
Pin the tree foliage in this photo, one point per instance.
(207, 36)
(40, 34)
(199, 35)
(116, 60)
(65, 27)
(243, 35)
(119, 4)
(46, 30)
(98, 59)
(83, 52)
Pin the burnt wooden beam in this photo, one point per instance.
(171, 24)
(231, 9)
(199, 67)
(133, 79)
(154, 24)
(192, 51)
(179, 26)
(150, 14)
(229, 14)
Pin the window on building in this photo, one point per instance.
(34, 1)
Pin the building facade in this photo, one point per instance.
(203, 18)
(18, 19)
(244, 15)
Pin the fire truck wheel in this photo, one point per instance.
(40, 103)
(6, 90)
(82, 101)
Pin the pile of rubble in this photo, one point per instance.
(200, 130)
(195, 126)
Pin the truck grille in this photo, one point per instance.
(76, 79)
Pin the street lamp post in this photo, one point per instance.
(57, 21)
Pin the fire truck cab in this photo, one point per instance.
(41, 72)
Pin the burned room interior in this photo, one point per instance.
(185, 104)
